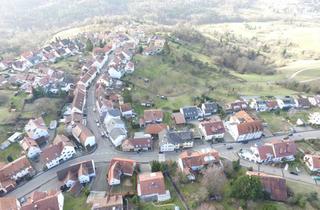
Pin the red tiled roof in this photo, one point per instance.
(191, 158)
(153, 115)
(125, 107)
(283, 148)
(315, 160)
(178, 118)
(43, 201)
(151, 183)
(213, 127)
(155, 128)
(9, 203)
(119, 166)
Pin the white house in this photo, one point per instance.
(114, 123)
(151, 186)
(83, 135)
(314, 118)
(115, 73)
(36, 128)
(212, 130)
(30, 147)
(312, 162)
(243, 127)
(173, 140)
(117, 136)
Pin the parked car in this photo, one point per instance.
(294, 173)
(229, 147)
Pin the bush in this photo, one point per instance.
(298, 200)
(269, 207)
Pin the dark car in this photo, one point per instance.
(229, 147)
(294, 173)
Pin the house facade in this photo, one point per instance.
(212, 130)
(172, 140)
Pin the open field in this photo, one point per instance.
(182, 81)
(75, 203)
(14, 150)
(69, 65)
(47, 106)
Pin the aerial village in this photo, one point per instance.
(101, 128)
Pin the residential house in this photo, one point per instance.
(79, 99)
(30, 147)
(120, 167)
(173, 140)
(191, 162)
(151, 187)
(19, 65)
(52, 199)
(271, 152)
(212, 129)
(14, 172)
(178, 118)
(243, 127)
(275, 186)
(302, 103)
(129, 68)
(209, 108)
(314, 118)
(191, 113)
(155, 129)
(238, 106)
(110, 202)
(61, 150)
(83, 135)
(113, 123)
(152, 116)
(272, 105)
(140, 142)
(126, 110)
(112, 114)
(115, 73)
(9, 203)
(81, 172)
(286, 103)
(312, 161)
(260, 106)
(37, 130)
(117, 136)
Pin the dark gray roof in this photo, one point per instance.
(210, 107)
(174, 137)
(190, 111)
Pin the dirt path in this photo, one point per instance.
(310, 80)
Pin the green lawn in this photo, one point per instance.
(276, 123)
(75, 203)
(69, 65)
(14, 150)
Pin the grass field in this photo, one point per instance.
(14, 150)
(75, 203)
(69, 65)
(50, 106)
(182, 81)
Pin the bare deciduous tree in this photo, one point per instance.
(214, 180)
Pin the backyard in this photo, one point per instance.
(72, 202)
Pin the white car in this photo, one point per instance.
(94, 109)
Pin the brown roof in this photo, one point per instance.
(315, 160)
(73, 170)
(155, 128)
(283, 148)
(274, 185)
(153, 115)
(62, 138)
(119, 166)
(151, 183)
(9, 203)
(264, 150)
(82, 132)
(79, 98)
(113, 202)
(213, 127)
(138, 142)
(125, 107)
(249, 127)
(27, 142)
(10, 169)
(42, 201)
(192, 158)
(51, 152)
(178, 118)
